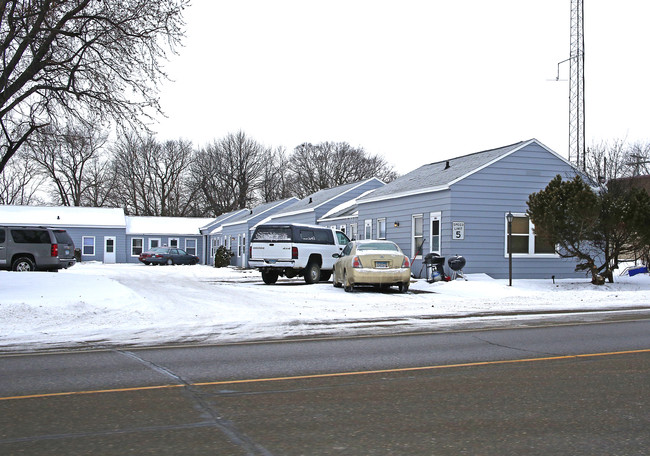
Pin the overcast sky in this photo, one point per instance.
(415, 81)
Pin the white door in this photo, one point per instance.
(109, 249)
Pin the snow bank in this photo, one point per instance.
(93, 304)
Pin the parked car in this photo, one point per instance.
(372, 262)
(32, 248)
(167, 255)
(294, 250)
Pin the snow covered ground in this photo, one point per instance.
(95, 305)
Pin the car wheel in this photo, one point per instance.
(270, 277)
(147, 263)
(170, 262)
(403, 287)
(312, 274)
(335, 281)
(325, 276)
(347, 286)
(23, 264)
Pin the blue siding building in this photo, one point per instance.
(459, 207)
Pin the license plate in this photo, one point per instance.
(271, 261)
(67, 252)
(381, 264)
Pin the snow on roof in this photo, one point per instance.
(165, 225)
(65, 216)
(346, 208)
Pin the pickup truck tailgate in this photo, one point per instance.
(271, 250)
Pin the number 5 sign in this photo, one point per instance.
(458, 231)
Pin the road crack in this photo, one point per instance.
(524, 350)
(226, 426)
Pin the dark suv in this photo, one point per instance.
(24, 248)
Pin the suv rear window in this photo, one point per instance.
(62, 237)
(272, 234)
(30, 236)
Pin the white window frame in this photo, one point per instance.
(381, 222)
(531, 241)
(353, 231)
(141, 245)
(151, 241)
(187, 241)
(367, 228)
(414, 252)
(83, 245)
(435, 216)
(178, 243)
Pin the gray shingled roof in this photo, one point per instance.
(442, 173)
(322, 196)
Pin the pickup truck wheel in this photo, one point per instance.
(269, 277)
(325, 276)
(312, 273)
(23, 264)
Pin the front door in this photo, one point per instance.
(109, 249)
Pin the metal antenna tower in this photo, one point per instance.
(577, 86)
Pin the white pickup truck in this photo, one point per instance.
(293, 250)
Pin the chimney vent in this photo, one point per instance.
(447, 165)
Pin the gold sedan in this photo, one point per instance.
(372, 262)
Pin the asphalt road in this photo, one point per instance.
(574, 389)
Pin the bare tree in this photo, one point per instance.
(611, 160)
(81, 57)
(228, 173)
(328, 164)
(20, 181)
(151, 177)
(67, 157)
(276, 179)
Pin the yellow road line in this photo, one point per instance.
(330, 375)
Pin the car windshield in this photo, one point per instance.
(378, 246)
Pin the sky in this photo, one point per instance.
(94, 304)
(414, 81)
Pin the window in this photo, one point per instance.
(418, 236)
(88, 245)
(343, 239)
(190, 246)
(435, 233)
(343, 229)
(353, 231)
(367, 230)
(381, 228)
(136, 246)
(524, 240)
(173, 243)
(153, 243)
